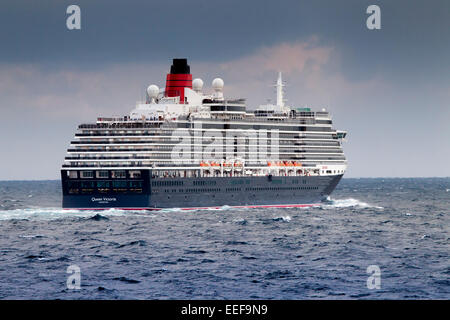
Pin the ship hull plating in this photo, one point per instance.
(159, 193)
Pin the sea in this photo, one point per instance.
(372, 239)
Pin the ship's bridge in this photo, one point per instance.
(232, 108)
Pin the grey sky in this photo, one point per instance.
(389, 88)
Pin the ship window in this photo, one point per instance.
(102, 184)
(217, 108)
(72, 184)
(87, 174)
(102, 174)
(119, 184)
(135, 174)
(119, 174)
(87, 184)
(135, 184)
(72, 174)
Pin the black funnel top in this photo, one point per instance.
(180, 66)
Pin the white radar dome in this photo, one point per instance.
(217, 84)
(153, 91)
(197, 84)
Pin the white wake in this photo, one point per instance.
(57, 213)
(346, 203)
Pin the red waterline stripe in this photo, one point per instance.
(206, 208)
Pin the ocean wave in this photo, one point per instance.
(346, 203)
(282, 218)
(240, 221)
(254, 247)
(59, 213)
(31, 236)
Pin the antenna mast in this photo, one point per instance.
(280, 91)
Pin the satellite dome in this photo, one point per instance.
(153, 91)
(197, 84)
(217, 84)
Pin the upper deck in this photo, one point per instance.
(188, 130)
(311, 117)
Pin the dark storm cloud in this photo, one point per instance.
(389, 88)
(123, 31)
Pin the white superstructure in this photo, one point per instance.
(198, 131)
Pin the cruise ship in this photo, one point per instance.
(191, 148)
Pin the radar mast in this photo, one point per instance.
(280, 91)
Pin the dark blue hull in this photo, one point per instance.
(157, 193)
